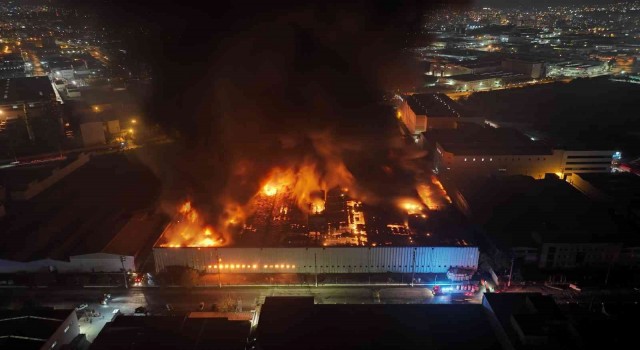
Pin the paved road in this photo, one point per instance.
(185, 300)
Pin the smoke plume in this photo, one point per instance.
(257, 88)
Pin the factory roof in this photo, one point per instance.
(172, 332)
(486, 76)
(522, 211)
(615, 186)
(30, 89)
(433, 105)
(480, 64)
(473, 139)
(532, 314)
(290, 322)
(91, 217)
(22, 329)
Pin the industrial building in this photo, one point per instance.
(12, 65)
(32, 96)
(318, 259)
(452, 68)
(534, 69)
(93, 234)
(39, 329)
(197, 330)
(546, 222)
(482, 149)
(578, 69)
(332, 240)
(421, 112)
(298, 323)
(483, 81)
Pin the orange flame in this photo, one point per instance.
(190, 230)
(433, 194)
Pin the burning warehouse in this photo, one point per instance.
(328, 231)
(297, 160)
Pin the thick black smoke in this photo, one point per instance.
(252, 85)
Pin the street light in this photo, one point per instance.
(133, 121)
(124, 271)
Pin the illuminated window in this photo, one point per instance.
(265, 266)
(209, 266)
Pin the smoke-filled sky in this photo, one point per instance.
(255, 84)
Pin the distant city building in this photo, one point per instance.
(12, 65)
(453, 68)
(531, 68)
(483, 81)
(580, 69)
(34, 96)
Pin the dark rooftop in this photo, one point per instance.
(172, 332)
(31, 89)
(472, 139)
(535, 315)
(617, 186)
(295, 322)
(17, 178)
(83, 212)
(514, 209)
(433, 105)
(22, 329)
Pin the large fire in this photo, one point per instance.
(305, 185)
(190, 230)
(433, 194)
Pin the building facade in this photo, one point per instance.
(319, 260)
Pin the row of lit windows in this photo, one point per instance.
(254, 266)
(284, 266)
(491, 159)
